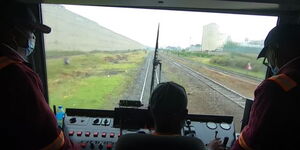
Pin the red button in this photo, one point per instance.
(103, 134)
(109, 146)
(111, 134)
(87, 133)
(83, 145)
(79, 133)
(96, 134)
(71, 133)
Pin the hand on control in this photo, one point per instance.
(215, 144)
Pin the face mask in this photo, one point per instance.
(30, 46)
(28, 49)
(274, 70)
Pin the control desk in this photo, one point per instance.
(100, 129)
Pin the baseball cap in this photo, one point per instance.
(14, 13)
(168, 97)
(285, 33)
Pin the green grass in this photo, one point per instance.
(235, 62)
(206, 61)
(57, 53)
(259, 75)
(91, 80)
(91, 92)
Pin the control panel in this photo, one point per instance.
(92, 129)
(100, 129)
(91, 133)
(207, 131)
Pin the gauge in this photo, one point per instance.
(211, 125)
(225, 126)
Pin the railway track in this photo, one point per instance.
(231, 73)
(145, 90)
(140, 87)
(222, 89)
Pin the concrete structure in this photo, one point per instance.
(212, 39)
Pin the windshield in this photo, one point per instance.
(97, 56)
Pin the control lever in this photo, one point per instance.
(225, 141)
(105, 122)
(216, 134)
(189, 130)
(188, 123)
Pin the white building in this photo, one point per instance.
(212, 38)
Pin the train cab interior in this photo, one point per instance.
(95, 64)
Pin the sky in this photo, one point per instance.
(177, 28)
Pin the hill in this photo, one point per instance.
(72, 32)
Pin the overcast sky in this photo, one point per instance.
(177, 28)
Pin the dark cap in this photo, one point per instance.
(168, 97)
(288, 34)
(20, 14)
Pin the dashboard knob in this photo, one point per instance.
(72, 120)
(96, 121)
(188, 122)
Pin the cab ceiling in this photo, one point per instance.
(259, 7)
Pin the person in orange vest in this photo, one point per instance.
(27, 120)
(273, 118)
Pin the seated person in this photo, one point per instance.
(168, 106)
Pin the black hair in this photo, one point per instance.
(168, 106)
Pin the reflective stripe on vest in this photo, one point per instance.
(4, 61)
(243, 143)
(284, 81)
(57, 143)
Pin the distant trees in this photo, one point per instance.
(231, 46)
(238, 60)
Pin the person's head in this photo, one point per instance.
(281, 45)
(18, 25)
(168, 106)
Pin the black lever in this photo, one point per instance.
(225, 141)
(188, 123)
(54, 109)
(216, 134)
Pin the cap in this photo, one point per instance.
(281, 34)
(168, 97)
(20, 14)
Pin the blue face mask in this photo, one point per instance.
(30, 46)
(28, 49)
(274, 70)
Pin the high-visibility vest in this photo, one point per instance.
(5, 61)
(59, 141)
(287, 84)
(57, 144)
(284, 81)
